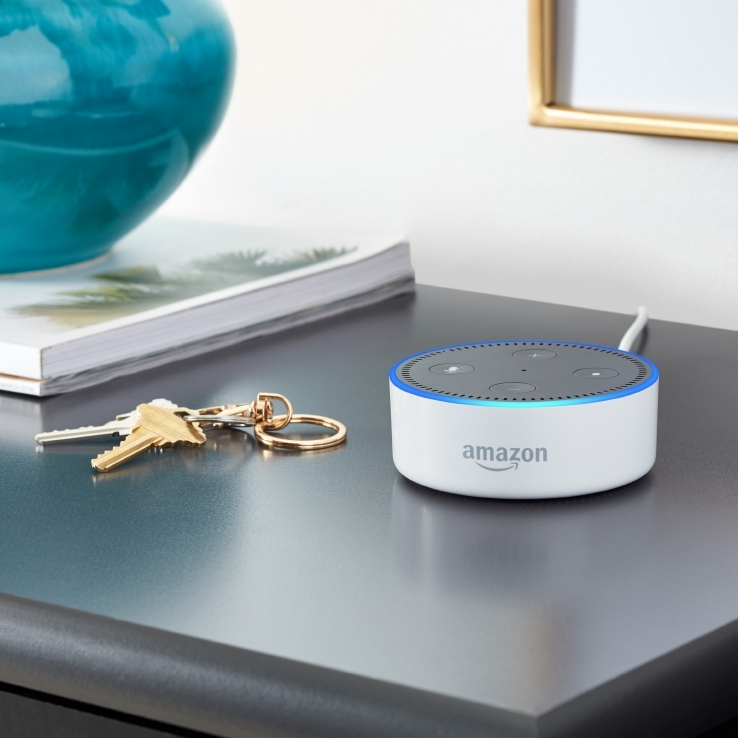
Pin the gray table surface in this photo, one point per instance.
(333, 560)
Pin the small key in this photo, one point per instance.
(118, 428)
(157, 427)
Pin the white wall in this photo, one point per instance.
(411, 114)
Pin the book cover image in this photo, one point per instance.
(164, 262)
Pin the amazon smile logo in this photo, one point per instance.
(503, 458)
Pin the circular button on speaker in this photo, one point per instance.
(535, 354)
(510, 387)
(596, 373)
(452, 368)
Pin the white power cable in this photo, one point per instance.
(627, 341)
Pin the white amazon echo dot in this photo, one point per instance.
(524, 419)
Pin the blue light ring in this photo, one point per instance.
(401, 385)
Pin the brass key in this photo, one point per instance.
(157, 427)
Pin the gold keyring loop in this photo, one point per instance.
(260, 431)
(277, 422)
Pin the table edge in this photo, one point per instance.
(219, 689)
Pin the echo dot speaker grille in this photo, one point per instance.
(524, 419)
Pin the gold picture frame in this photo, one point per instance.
(544, 111)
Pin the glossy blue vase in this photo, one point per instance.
(104, 107)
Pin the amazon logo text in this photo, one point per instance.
(503, 458)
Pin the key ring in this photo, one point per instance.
(260, 431)
(260, 415)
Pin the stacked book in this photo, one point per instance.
(174, 289)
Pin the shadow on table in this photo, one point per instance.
(455, 543)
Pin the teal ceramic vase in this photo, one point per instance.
(104, 107)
